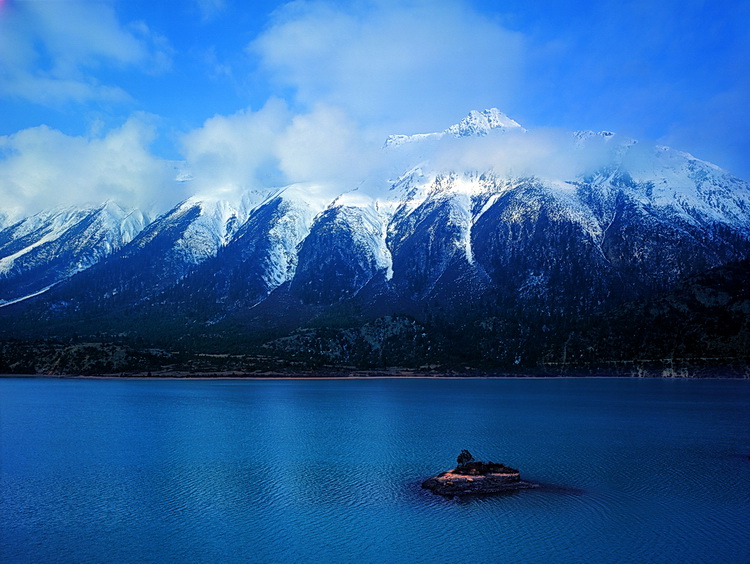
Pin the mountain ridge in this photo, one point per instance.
(506, 259)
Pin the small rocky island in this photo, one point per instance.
(476, 477)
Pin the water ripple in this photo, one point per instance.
(331, 471)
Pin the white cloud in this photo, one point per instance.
(358, 73)
(545, 153)
(209, 8)
(325, 146)
(41, 168)
(271, 147)
(53, 91)
(49, 50)
(401, 66)
(231, 154)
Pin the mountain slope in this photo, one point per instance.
(162, 254)
(260, 257)
(43, 250)
(477, 266)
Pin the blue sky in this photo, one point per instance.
(107, 99)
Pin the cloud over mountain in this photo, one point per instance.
(262, 95)
(392, 65)
(42, 168)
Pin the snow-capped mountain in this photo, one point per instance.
(481, 123)
(192, 231)
(474, 124)
(504, 256)
(40, 251)
(345, 249)
(162, 254)
(261, 255)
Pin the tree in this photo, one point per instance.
(464, 458)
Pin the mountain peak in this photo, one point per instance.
(475, 124)
(481, 123)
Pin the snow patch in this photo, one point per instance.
(474, 124)
(110, 228)
(4, 303)
(481, 123)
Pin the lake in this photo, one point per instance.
(636, 470)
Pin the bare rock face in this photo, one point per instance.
(476, 478)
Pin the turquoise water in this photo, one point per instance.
(329, 470)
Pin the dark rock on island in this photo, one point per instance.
(476, 477)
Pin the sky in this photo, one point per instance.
(150, 102)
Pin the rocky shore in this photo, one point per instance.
(476, 477)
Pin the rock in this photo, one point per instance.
(477, 478)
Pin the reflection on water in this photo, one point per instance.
(282, 471)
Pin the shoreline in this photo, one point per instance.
(359, 375)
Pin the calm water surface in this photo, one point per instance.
(329, 470)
